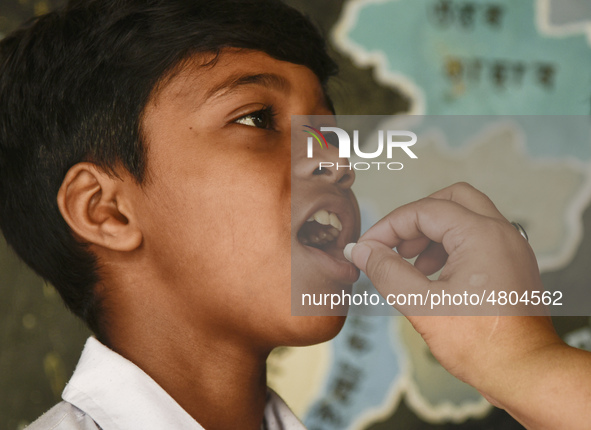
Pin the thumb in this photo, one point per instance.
(387, 270)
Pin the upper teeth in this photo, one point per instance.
(325, 218)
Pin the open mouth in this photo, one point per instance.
(321, 231)
(324, 235)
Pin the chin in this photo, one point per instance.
(312, 329)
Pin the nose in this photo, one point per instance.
(325, 166)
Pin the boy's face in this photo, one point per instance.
(216, 210)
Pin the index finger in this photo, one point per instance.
(433, 218)
(469, 197)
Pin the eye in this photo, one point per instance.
(263, 118)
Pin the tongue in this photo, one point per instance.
(316, 235)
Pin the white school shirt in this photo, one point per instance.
(109, 392)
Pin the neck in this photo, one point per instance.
(220, 383)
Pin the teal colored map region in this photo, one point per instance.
(453, 57)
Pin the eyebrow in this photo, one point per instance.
(234, 82)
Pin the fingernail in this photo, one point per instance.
(363, 252)
(347, 251)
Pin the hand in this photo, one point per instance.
(461, 229)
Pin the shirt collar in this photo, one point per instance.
(278, 416)
(117, 394)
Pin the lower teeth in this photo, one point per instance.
(322, 239)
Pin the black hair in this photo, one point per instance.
(73, 86)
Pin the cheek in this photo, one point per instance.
(230, 230)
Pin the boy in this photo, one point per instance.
(145, 162)
(146, 172)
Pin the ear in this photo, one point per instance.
(97, 209)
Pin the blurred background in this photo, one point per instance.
(433, 57)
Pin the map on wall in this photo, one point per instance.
(457, 57)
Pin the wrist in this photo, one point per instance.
(512, 384)
(517, 359)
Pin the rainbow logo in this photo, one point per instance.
(317, 134)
